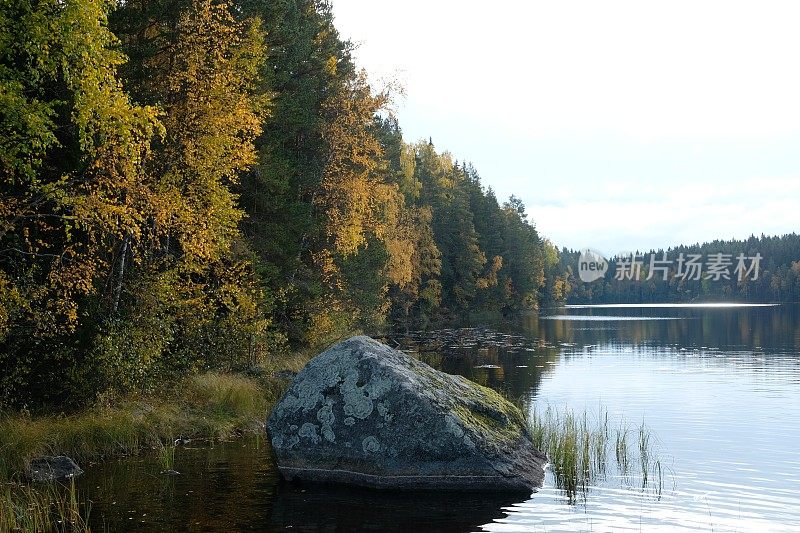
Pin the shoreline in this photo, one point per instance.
(206, 406)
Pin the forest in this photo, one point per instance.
(777, 278)
(190, 185)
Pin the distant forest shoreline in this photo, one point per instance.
(778, 275)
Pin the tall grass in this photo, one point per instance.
(48, 507)
(578, 447)
(166, 455)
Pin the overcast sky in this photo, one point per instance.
(622, 125)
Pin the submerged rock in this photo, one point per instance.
(365, 414)
(52, 468)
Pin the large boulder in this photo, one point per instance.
(365, 414)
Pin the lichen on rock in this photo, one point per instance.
(365, 414)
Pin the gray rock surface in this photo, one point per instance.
(52, 468)
(365, 414)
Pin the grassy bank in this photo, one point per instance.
(204, 406)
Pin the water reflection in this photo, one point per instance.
(767, 327)
(222, 487)
(232, 486)
(610, 318)
(309, 508)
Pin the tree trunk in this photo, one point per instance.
(123, 251)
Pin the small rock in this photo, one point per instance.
(47, 468)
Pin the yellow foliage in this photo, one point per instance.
(212, 118)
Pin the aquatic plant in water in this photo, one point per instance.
(45, 507)
(578, 447)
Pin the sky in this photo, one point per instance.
(621, 125)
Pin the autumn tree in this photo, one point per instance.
(201, 67)
(74, 186)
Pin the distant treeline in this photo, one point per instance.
(778, 274)
(192, 184)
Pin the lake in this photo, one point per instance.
(718, 387)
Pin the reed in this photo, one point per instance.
(578, 447)
(166, 454)
(46, 507)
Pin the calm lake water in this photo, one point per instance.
(718, 386)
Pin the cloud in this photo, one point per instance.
(681, 216)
